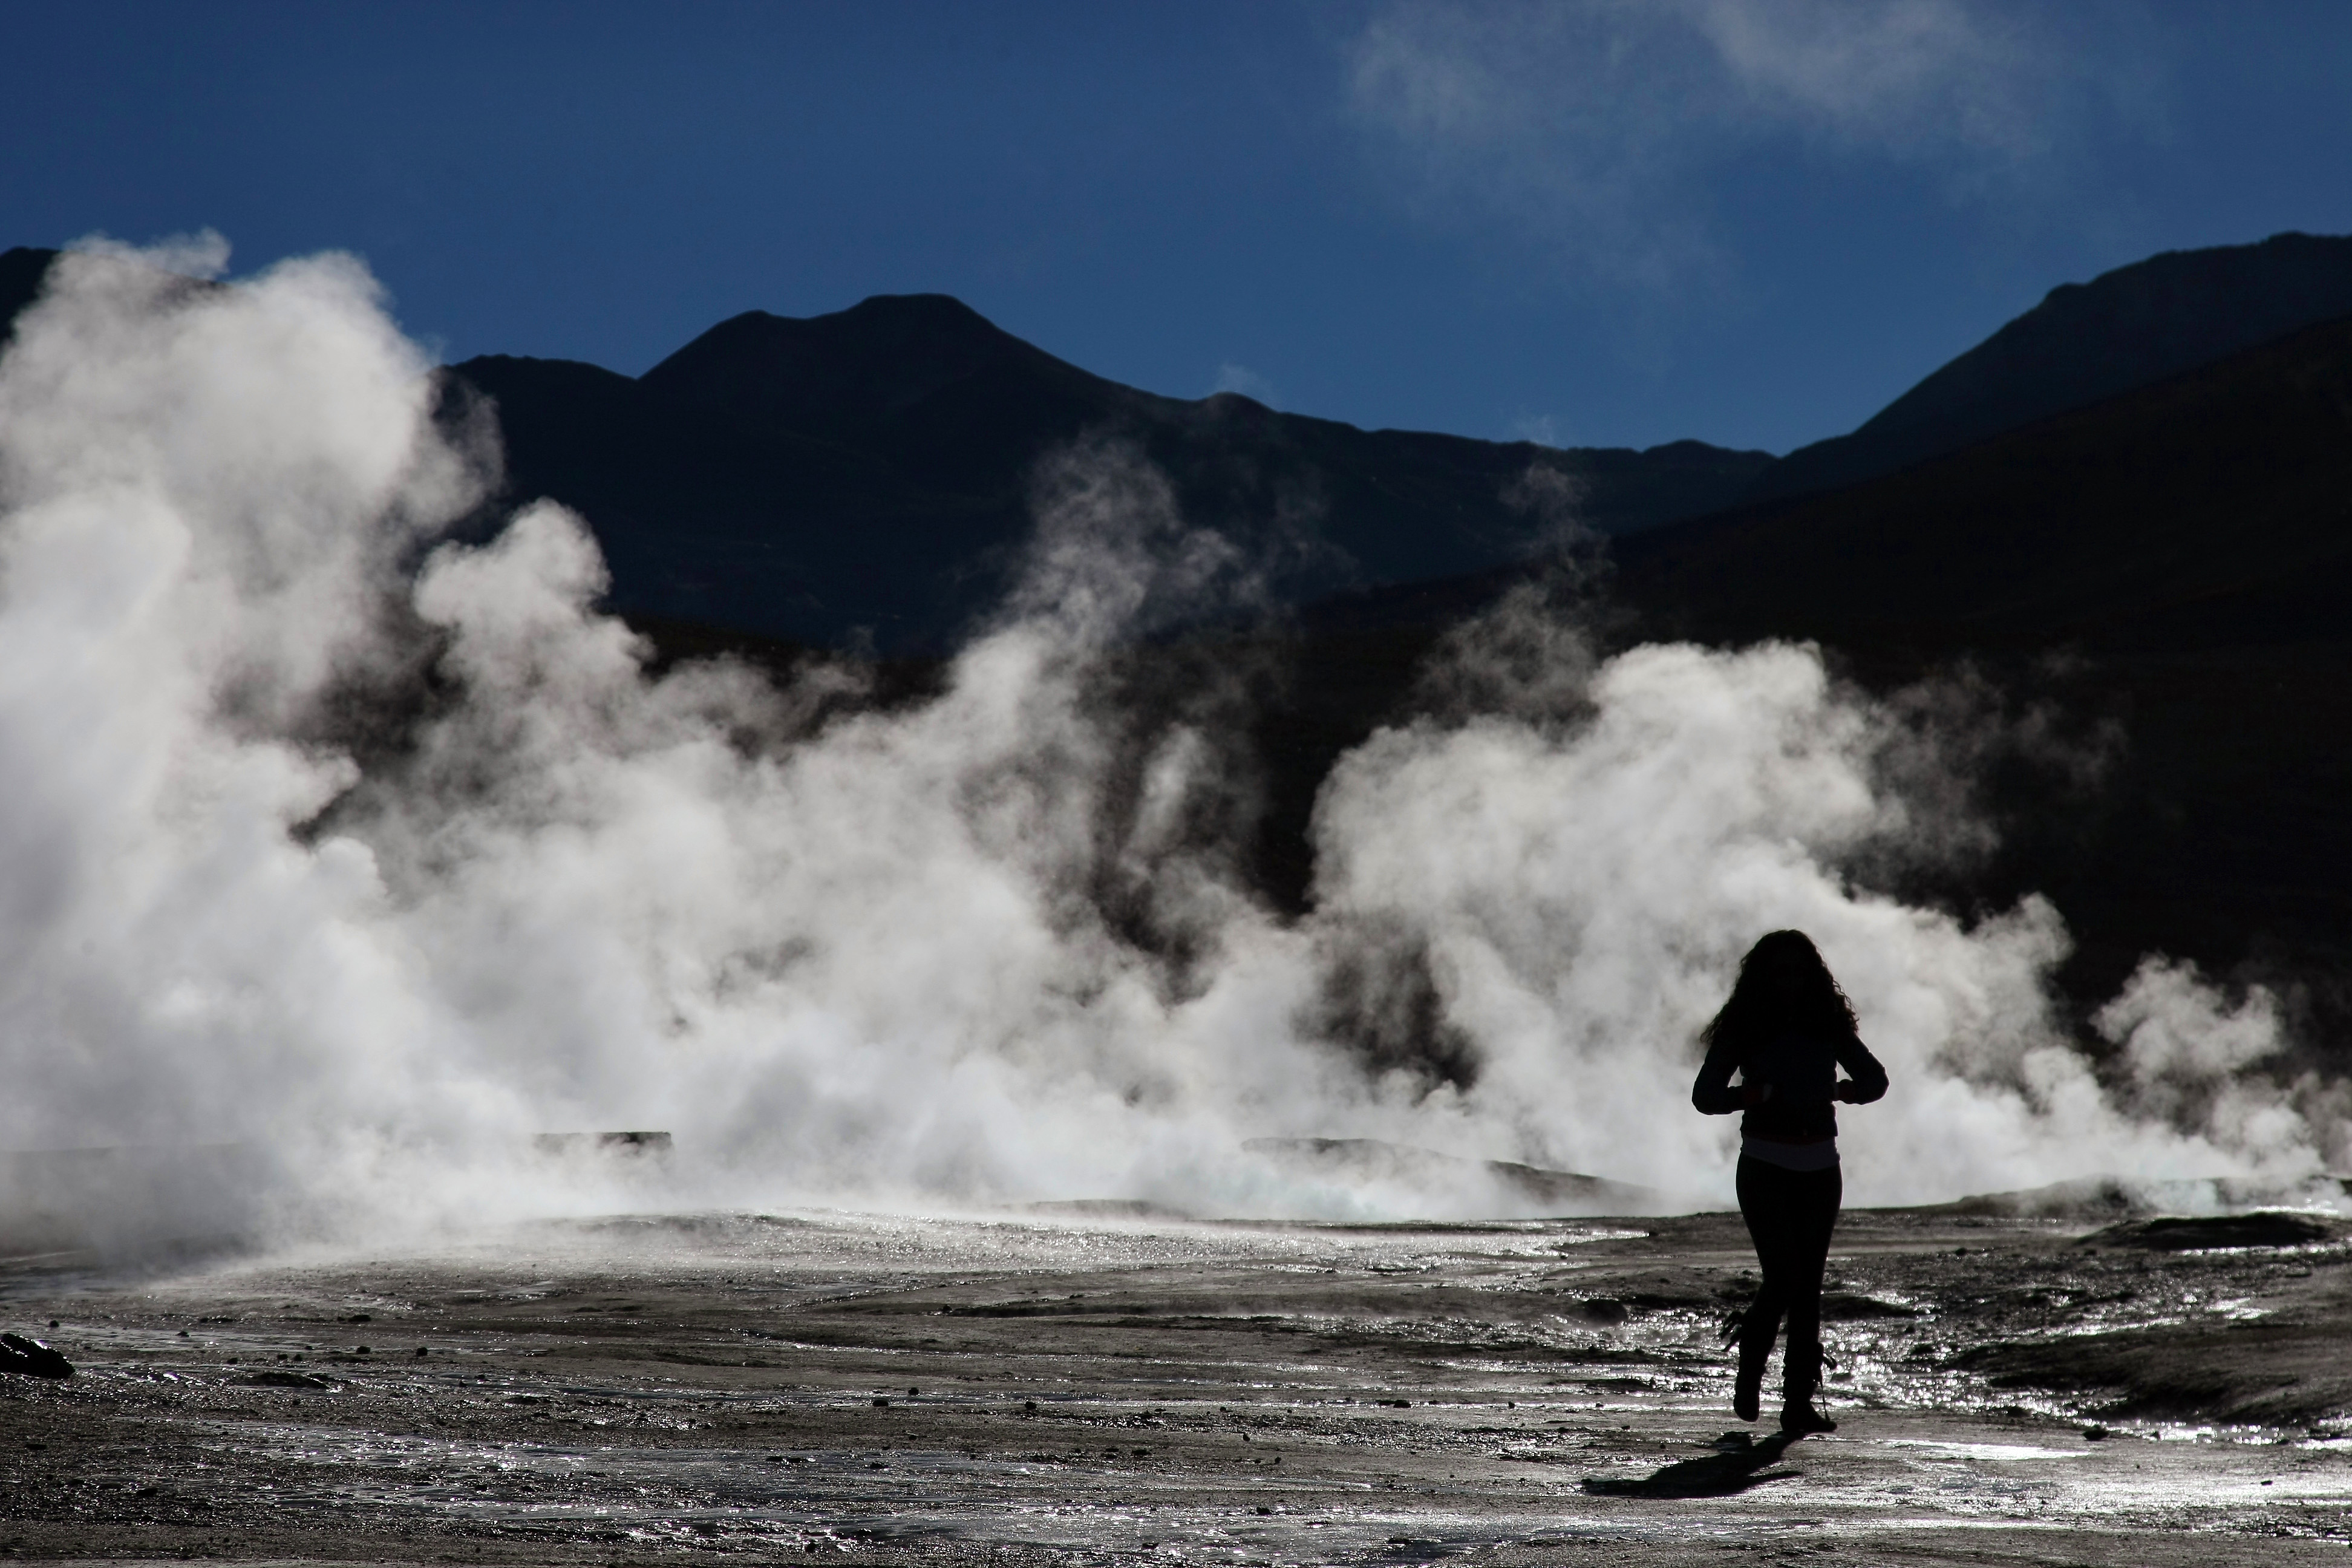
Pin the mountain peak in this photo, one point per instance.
(884, 355)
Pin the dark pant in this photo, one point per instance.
(1789, 1215)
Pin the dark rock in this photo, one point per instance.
(2215, 1232)
(31, 1358)
(288, 1380)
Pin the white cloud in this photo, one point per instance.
(1917, 76)
(1596, 124)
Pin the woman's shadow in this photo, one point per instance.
(1741, 1464)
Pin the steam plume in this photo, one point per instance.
(989, 946)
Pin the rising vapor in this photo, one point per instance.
(375, 853)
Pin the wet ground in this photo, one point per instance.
(842, 1387)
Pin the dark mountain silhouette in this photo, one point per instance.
(21, 271)
(2087, 341)
(873, 470)
(2213, 509)
(869, 472)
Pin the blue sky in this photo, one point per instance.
(1596, 222)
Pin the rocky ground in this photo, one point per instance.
(1075, 1388)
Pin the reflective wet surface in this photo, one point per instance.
(1009, 1389)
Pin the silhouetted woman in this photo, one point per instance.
(1786, 1030)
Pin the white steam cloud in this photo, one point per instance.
(376, 866)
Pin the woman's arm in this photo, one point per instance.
(1713, 1093)
(1866, 1080)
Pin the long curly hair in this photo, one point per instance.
(1783, 986)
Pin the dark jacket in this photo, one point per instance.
(1800, 1067)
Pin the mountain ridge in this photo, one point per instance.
(866, 475)
(873, 468)
(2084, 342)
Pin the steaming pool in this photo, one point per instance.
(1067, 1388)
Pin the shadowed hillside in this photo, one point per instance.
(2087, 341)
(2187, 548)
(867, 476)
(21, 271)
(872, 470)
(2173, 565)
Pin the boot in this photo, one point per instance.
(1801, 1374)
(1747, 1328)
(1747, 1385)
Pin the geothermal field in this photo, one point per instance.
(1058, 1388)
(479, 1088)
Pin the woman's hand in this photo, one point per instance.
(1847, 1091)
(1755, 1093)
